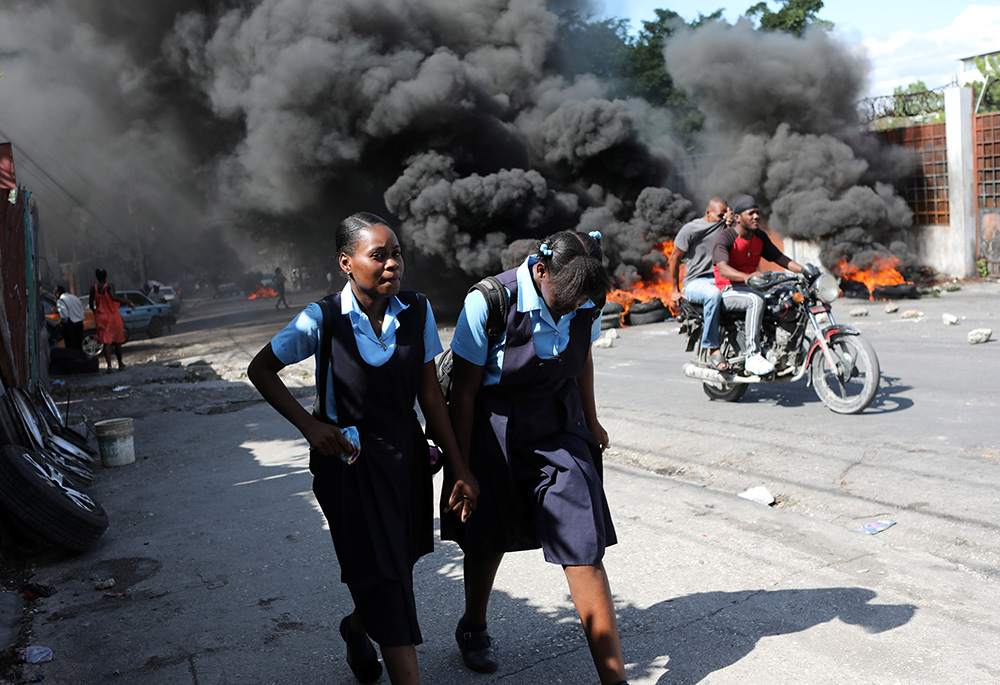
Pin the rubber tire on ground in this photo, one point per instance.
(48, 505)
(155, 329)
(652, 316)
(91, 347)
(612, 308)
(611, 321)
(643, 307)
(866, 390)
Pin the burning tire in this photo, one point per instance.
(850, 388)
(647, 312)
(49, 505)
(611, 321)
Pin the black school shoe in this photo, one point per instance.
(361, 654)
(477, 649)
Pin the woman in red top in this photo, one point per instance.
(104, 303)
(737, 252)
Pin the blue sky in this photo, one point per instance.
(905, 41)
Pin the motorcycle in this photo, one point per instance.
(798, 335)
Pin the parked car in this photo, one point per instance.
(90, 345)
(227, 288)
(169, 296)
(146, 316)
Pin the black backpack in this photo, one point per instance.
(497, 308)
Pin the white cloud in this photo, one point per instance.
(932, 57)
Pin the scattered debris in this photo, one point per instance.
(873, 527)
(607, 338)
(759, 494)
(860, 311)
(173, 365)
(114, 594)
(119, 388)
(198, 362)
(952, 287)
(891, 308)
(979, 335)
(911, 314)
(35, 654)
(35, 590)
(949, 319)
(104, 584)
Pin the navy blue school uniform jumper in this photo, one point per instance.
(380, 508)
(537, 464)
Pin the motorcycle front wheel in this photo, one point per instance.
(851, 387)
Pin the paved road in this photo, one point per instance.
(926, 453)
(230, 578)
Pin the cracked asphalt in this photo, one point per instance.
(229, 577)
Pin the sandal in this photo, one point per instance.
(718, 362)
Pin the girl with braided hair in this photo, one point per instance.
(525, 417)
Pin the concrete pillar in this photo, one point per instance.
(961, 181)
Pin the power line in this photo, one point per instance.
(76, 201)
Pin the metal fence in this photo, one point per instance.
(986, 132)
(926, 190)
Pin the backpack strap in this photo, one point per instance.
(497, 306)
(325, 342)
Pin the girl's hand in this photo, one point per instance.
(603, 440)
(326, 439)
(464, 496)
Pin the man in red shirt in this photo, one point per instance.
(737, 252)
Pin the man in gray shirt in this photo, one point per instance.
(693, 244)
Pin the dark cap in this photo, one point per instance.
(743, 203)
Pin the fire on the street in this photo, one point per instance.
(260, 292)
(657, 286)
(881, 274)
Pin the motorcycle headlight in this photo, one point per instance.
(827, 288)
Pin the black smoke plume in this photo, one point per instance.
(780, 120)
(279, 117)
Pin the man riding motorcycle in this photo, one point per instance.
(693, 244)
(737, 252)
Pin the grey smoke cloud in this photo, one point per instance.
(780, 116)
(287, 114)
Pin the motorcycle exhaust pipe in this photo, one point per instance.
(713, 376)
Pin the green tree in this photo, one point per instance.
(645, 72)
(989, 67)
(588, 46)
(794, 17)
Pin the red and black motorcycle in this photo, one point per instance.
(798, 335)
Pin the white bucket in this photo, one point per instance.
(114, 440)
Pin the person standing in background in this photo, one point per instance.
(279, 286)
(104, 303)
(70, 318)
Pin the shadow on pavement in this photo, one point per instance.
(709, 631)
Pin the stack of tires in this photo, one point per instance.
(42, 463)
(639, 313)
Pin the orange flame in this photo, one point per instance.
(882, 273)
(657, 286)
(260, 292)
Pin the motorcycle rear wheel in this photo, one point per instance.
(724, 392)
(852, 392)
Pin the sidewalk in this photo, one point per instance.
(229, 578)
